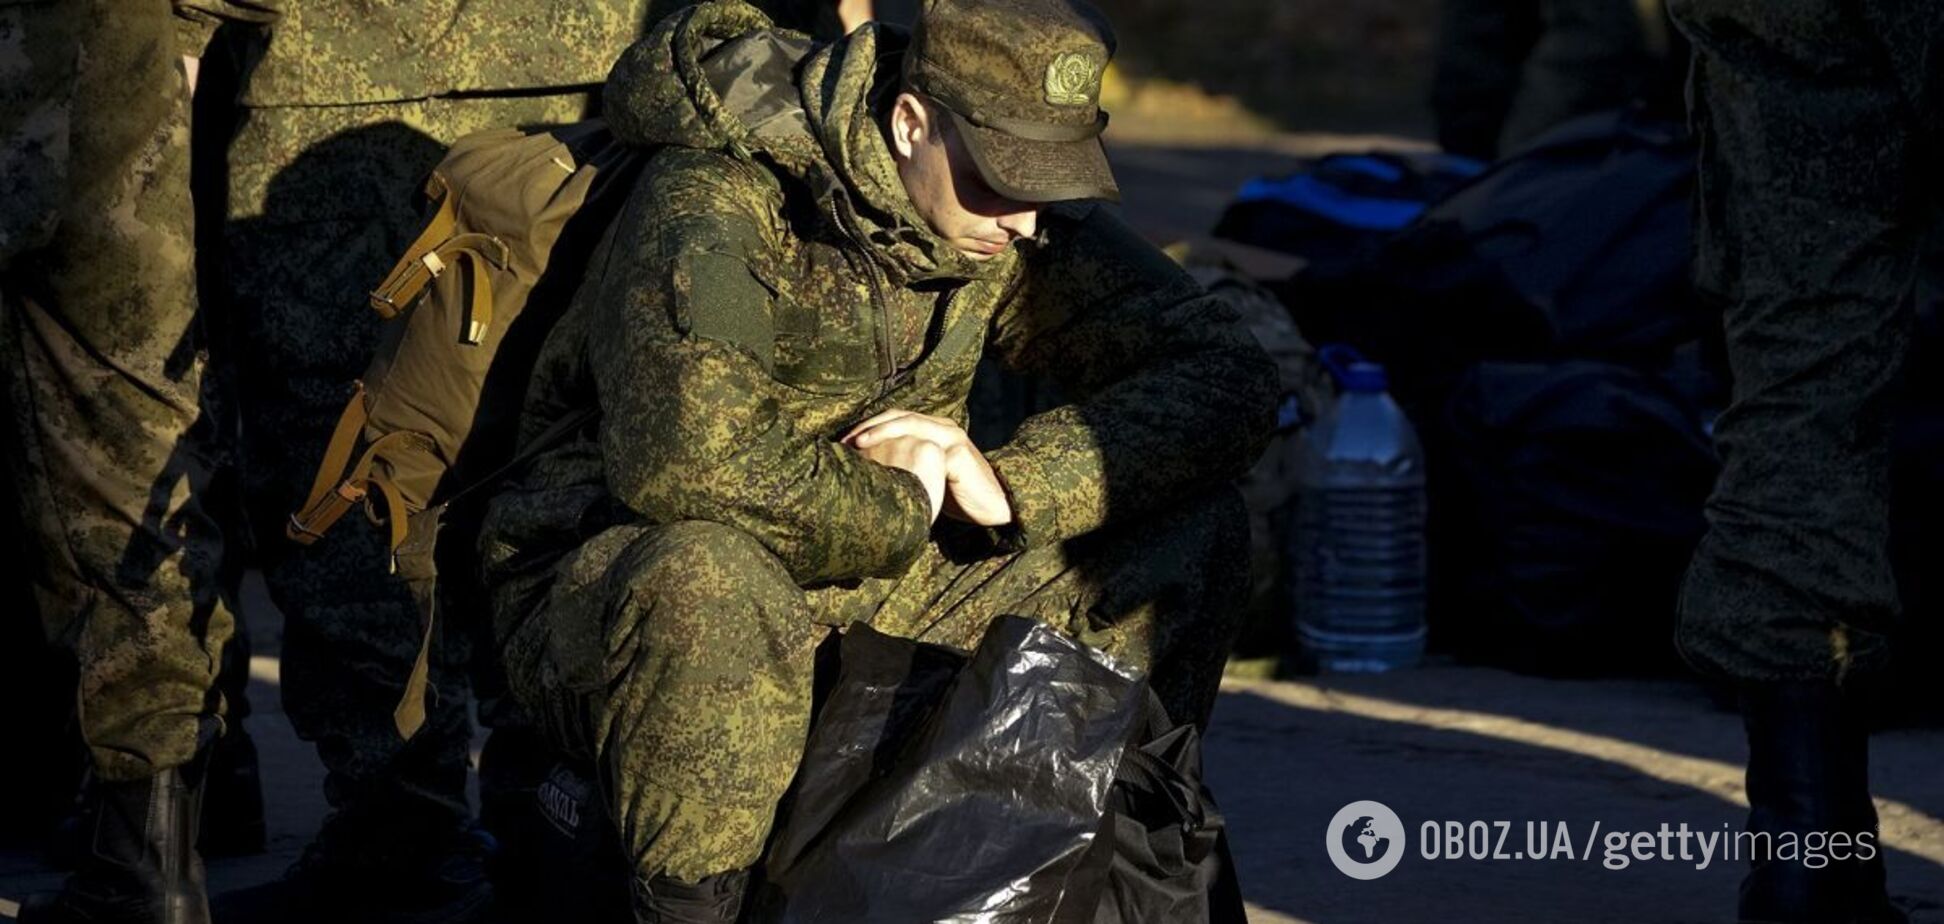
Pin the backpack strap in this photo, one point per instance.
(395, 517)
(470, 250)
(325, 504)
(410, 274)
(409, 715)
(414, 560)
(422, 531)
(438, 247)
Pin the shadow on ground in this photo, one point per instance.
(1476, 744)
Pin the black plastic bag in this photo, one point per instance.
(940, 788)
(1167, 845)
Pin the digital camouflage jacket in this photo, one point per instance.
(339, 52)
(768, 285)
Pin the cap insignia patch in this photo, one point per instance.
(1071, 79)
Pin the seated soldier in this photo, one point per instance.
(779, 333)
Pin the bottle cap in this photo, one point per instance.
(1351, 371)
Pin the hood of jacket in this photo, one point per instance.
(722, 77)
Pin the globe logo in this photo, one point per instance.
(1362, 834)
(1365, 840)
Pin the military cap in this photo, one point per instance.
(1020, 79)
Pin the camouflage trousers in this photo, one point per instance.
(680, 656)
(110, 445)
(322, 200)
(1819, 153)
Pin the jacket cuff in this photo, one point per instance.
(1035, 513)
(909, 532)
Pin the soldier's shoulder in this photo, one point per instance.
(691, 181)
(1089, 241)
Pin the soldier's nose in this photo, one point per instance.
(1020, 224)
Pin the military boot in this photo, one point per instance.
(232, 824)
(1808, 771)
(442, 882)
(141, 865)
(714, 899)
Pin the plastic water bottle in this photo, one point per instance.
(1359, 556)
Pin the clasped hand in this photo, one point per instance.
(957, 478)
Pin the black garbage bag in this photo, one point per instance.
(990, 789)
(1167, 850)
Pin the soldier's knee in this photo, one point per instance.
(680, 575)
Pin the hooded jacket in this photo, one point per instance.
(769, 284)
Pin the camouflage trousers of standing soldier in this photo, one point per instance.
(322, 200)
(1820, 146)
(109, 445)
(680, 656)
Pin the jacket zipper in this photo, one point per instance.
(887, 364)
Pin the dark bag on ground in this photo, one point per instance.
(1575, 247)
(1032, 781)
(1342, 207)
(1578, 487)
(1541, 331)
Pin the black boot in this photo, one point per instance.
(141, 866)
(340, 878)
(232, 824)
(559, 856)
(714, 899)
(1808, 771)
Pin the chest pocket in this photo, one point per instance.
(826, 329)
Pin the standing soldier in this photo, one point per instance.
(1819, 125)
(112, 437)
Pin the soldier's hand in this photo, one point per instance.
(973, 492)
(916, 455)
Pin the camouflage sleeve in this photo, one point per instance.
(680, 348)
(1170, 390)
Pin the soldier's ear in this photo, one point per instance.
(911, 125)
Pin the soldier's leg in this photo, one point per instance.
(1164, 593)
(1808, 189)
(110, 453)
(680, 656)
(111, 456)
(1805, 234)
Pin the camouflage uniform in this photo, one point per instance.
(112, 442)
(1820, 140)
(344, 113)
(659, 584)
